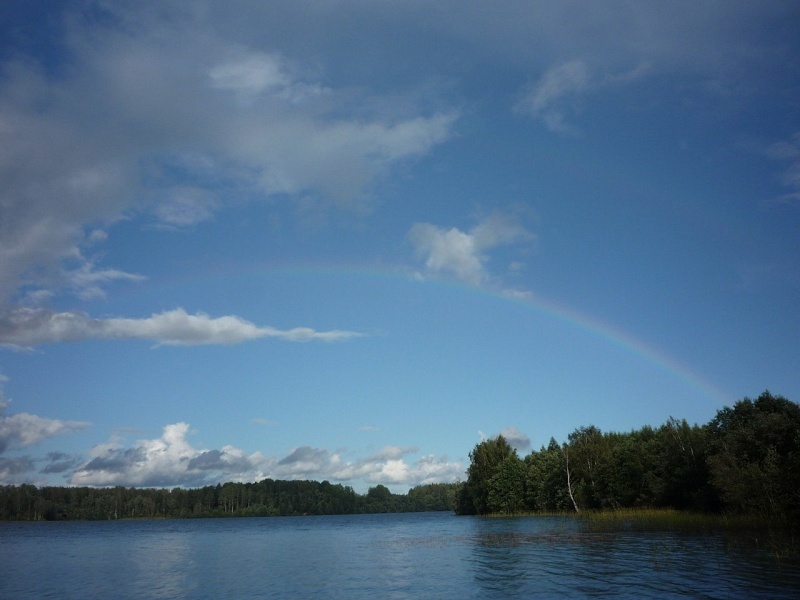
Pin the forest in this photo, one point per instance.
(265, 498)
(745, 461)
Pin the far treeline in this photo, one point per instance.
(745, 461)
(266, 498)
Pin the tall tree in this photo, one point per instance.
(546, 482)
(590, 461)
(754, 456)
(485, 461)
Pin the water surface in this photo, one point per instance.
(421, 555)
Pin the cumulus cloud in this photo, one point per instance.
(29, 327)
(21, 430)
(164, 461)
(516, 438)
(465, 254)
(160, 112)
(387, 466)
(171, 460)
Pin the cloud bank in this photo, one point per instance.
(29, 327)
(22, 430)
(165, 116)
(170, 460)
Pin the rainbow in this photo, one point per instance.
(569, 316)
(625, 341)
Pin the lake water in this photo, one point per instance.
(422, 555)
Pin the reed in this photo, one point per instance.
(653, 518)
(671, 519)
(779, 539)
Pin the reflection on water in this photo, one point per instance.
(541, 557)
(159, 565)
(386, 556)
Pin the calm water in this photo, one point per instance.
(428, 555)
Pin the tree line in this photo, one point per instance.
(746, 460)
(264, 498)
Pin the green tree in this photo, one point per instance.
(546, 480)
(682, 450)
(754, 456)
(485, 461)
(379, 493)
(380, 499)
(433, 496)
(507, 487)
(590, 463)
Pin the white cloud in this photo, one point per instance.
(251, 74)
(170, 116)
(257, 73)
(555, 93)
(29, 327)
(450, 251)
(165, 461)
(387, 466)
(185, 206)
(88, 281)
(21, 430)
(562, 89)
(464, 254)
(171, 460)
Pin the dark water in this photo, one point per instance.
(427, 555)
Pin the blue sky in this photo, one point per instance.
(349, 240)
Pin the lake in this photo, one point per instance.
(418, 555)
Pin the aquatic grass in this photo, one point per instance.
(646, 519)
(779, 539)
(671, 519)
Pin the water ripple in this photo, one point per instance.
(386, 556)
